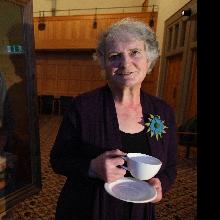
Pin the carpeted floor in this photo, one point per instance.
(179, 204)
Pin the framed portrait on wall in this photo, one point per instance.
(19, 134)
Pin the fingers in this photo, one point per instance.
(112, 166)
(114, 161)
(115, 153)
(115, 174)
(113, 158)
(106, 165)
(157, 184)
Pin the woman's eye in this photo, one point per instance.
(135, 53)
(113, 57)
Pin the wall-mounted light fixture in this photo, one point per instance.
(187, 12)
(145, 6)
(41, 22)
(94, 24)
(151, 21)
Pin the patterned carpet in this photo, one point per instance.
(179, 204)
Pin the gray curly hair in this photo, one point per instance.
(129, 26)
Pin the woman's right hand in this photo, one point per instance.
(107, 166)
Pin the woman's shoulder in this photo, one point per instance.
(156, 101)
(85, 104)
(88, 100)
(90, 96)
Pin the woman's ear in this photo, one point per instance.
(150, 67)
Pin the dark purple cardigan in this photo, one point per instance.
(89, 128)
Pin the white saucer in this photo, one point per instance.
(131, 190)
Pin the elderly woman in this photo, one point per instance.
(103, 125)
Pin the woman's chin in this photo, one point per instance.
(126, 83)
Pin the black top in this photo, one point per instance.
(135, 143)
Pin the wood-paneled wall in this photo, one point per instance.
(67, 74)
(76, 32)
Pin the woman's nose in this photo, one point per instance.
(125, 60)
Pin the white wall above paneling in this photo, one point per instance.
(47, 5)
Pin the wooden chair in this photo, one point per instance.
(187, 134)
(187, 139)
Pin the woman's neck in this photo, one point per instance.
(126, 96)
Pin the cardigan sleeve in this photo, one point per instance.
(167, 177)
(69, 156)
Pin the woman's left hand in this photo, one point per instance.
(157, 184)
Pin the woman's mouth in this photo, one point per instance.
(125, 74)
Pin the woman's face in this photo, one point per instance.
(126, 62)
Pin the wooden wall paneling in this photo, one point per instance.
(49, 85)
(183, 28)
(75, 72)
(176, 34)
(149, 87)
(74, 87)
(169, 38)
(63, 72)
(150, 82)
(172, 82)
(191, 106)
(60, 28)
(65, 34)
(36, 32)
(105, 22)
(51, 32)
(84, 74)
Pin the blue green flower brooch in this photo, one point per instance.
(156, 126)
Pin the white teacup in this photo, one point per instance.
(142, 166)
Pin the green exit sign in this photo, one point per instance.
(15, 49)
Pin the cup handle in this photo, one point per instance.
(124, 158)
(124, 167)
